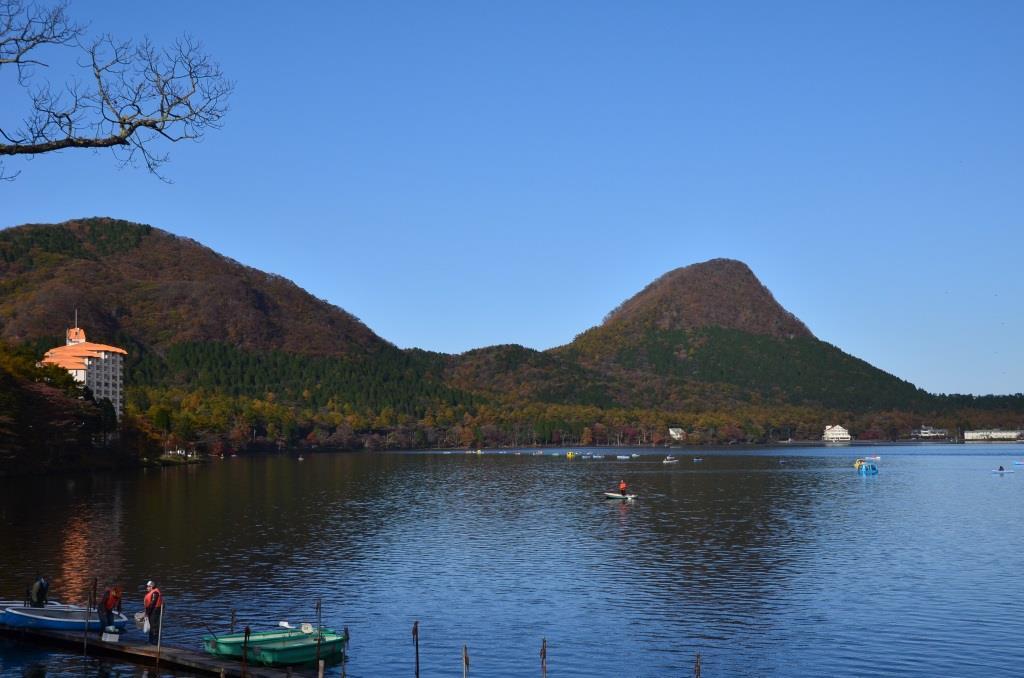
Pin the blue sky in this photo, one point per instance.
(460, 174)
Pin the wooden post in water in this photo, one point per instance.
(544, 658)
(319, 630)
(85, 627)
(416, 644)
(344, 651)
(232, 621)
(245, 649)
(696, 665)
(465, 661)
(160, 631)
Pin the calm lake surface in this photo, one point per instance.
(774, 562)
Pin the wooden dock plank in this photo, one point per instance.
(138, 651)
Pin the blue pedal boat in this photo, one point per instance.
(57, 619)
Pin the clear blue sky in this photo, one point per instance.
(460, 174)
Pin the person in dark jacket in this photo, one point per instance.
(39, 592)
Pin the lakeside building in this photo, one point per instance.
(98, 366)
(676, 433)
(929, 433)
(836, 434)
(992, 435)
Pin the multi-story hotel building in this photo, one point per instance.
(98, 366)
(836, 434)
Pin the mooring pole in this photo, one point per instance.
(245, 649)
(696, 666)
(416, 644)
(232, 621)
(465, 661)
(319, 629)
(85, 627)
(544, 658)
(160, 631)
(344, 652)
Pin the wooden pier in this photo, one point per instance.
(138, 651)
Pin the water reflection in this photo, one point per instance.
(759, 565)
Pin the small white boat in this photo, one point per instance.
(620, 497)
(1018, 463)
(1001, 471)
(635, 456)
(623, 457)
(670, 460)
(873, 457)
(697, 459)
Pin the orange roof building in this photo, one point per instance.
(98, 366)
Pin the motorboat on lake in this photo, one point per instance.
(670, 460)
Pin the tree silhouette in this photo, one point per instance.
(133, 96)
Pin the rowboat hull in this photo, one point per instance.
(302, 650)
(620, 497)
(286, 647)
(231, 644)
(57, 619)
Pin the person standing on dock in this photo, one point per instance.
(110, 601)
(39, 592)
(154, 603)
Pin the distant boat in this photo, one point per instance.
(670, 460)
(873, 457)
(697, 459)
(624, 457)
(301, 458)
(635, 456)
(1002, 470)
(620, 497)
(865, 468)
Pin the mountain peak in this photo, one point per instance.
(719, 292)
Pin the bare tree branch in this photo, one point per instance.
(136, 96)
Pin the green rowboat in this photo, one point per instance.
(302, 650)
(281, 647)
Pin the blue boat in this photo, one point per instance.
(65, 619)
(865, 468)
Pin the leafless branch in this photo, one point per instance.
(137, 95)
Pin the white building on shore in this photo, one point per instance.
(993, 435)
(98, 366)
(929, 433)
(836, 434)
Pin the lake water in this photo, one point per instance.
(774, 562)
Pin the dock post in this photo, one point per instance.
(160, 631)
(232, 621)
(416, 644)
(544, 658)
(465, 661)
(245, 649)
(696, 666)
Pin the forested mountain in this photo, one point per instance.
(147, 288)
(224, 356)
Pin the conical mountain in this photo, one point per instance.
(711, 334)
(717, 293)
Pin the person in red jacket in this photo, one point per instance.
(622, 487)
(154, 603)
(110, 601)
